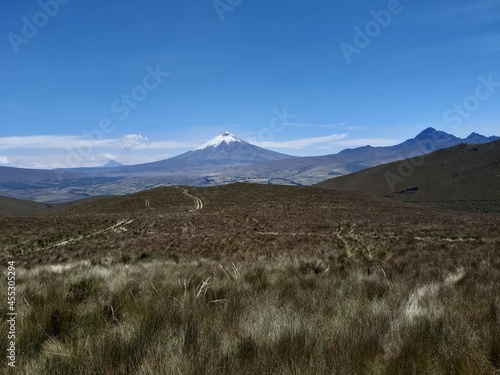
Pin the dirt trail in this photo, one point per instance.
(198, 201)
(117, 228)
(120, 226)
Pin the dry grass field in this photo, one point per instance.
(259, 280)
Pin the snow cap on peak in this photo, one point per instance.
(225, 137)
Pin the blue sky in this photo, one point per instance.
(84, 82)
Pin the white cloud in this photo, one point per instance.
(48, 152)
(52, 161)
(65, 142)
(36, 162)
(39, 141)
(127, 141)
(109, 156)
(301, 125)
(327, 142)
(68, 151)
(168, 145)
(300, 143)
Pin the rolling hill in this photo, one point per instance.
(460, 177)
(258, 271)
(19, 207)
(13, 207)
(236, 220)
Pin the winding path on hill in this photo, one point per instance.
(198, 201)
(120, 226)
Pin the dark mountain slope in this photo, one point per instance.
(463, 176)
(17, 207)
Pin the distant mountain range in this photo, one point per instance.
(310, 170)
(223, 159)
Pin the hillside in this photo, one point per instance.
(244, 219)
(462, 177)
(260, 279)
(18, 207)
(14, 207)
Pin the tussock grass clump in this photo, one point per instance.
(281, 316)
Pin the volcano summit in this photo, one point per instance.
(225, 150)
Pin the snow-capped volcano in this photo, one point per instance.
(225, 137)
(228, 150)
(225, 150)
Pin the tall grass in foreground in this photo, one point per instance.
(286, 316)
